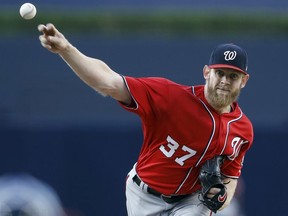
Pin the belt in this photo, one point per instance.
(167, 199)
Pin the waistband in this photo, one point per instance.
(167, 199)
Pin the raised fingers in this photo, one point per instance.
(42, 28)
(48, 29)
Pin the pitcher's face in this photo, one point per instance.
(223, 86)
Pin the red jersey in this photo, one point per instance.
(181, 131)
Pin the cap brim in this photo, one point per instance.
(228, 66)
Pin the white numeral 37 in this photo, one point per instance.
(171, 148)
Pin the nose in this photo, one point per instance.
(225, 80)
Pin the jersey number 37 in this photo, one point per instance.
(172, 146)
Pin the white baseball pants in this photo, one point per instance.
(141, 203)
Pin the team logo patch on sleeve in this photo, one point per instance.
(236, 145)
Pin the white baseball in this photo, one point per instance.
(28, 11)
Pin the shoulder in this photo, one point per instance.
(152, 82)
(243, 115)
(244, 124)
(149, 80)
(248, 121)
(198, 90)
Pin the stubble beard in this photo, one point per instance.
(220, 101)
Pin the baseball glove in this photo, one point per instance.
(210, 177)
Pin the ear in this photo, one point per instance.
(244, 80)
(206, 72)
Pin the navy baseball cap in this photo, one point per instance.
(229, 56)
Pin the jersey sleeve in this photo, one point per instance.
(242, 136)
(232, 167)
(149, 95)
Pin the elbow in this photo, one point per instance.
(103, 90)
(107, 90)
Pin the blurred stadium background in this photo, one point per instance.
(55, 128)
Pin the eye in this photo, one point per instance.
(220, 73)
(234, 76)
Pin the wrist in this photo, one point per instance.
(67, 50)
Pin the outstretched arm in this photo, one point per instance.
(93, 72)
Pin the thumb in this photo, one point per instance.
(58, 41)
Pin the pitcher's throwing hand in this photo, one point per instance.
(52, 39)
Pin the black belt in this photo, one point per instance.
(168, 199)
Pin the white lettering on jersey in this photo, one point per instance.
(236, 144)
(171, 147)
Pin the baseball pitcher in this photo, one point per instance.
(195, 137)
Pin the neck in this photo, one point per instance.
(223, 110)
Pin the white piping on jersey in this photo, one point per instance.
(228, 130)
(207, 147)
(212, 135)
(131, 95)
(194, 183)
(214, 128)
(228, 176)
(180, 186)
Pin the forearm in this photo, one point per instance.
(231, 185)
(93, 72)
